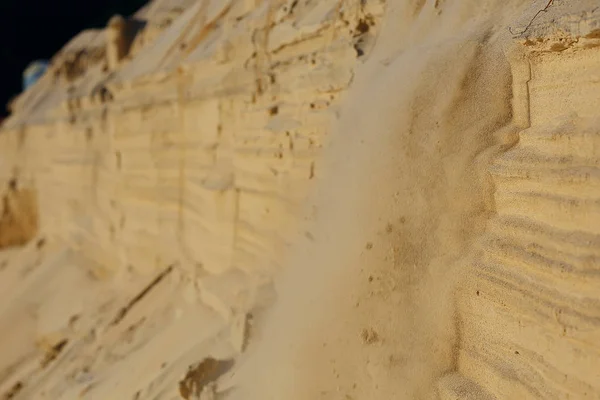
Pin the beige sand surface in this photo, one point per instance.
(290, 200)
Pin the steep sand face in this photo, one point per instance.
(445, 154)
(387, 302)
(367, 310)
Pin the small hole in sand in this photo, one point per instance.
(362, 27)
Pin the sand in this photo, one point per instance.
(300, 200)
(367, 309)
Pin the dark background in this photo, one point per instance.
(37, 29)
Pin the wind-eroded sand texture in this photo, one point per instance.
(292, 200)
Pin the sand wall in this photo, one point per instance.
(415, 179)
(201, 164)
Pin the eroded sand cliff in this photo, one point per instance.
(308, 200)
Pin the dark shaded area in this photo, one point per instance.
(13, 391)
(18, 215)
(201, 374)
(123, 311)
(53, 352)
(133, 28)
(37, 29)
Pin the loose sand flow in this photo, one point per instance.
(366, 310)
